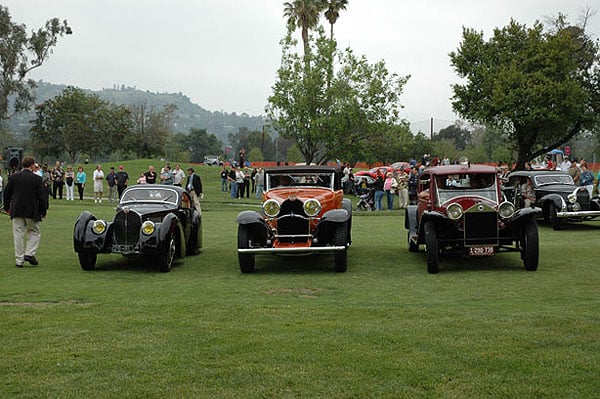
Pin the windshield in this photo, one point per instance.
(147, 194)
(474, 185)
(304, 179)
(542, 180)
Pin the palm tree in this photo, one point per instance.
(332, 11)
(303, 14)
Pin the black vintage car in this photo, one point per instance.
(461, 211)
(556, 194)
(155, 221)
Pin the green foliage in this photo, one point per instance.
(293, 154)
(20, 53)
(260, 139)
(199, 143)
(151, 130)
(75, 123)
(334, 115)
(538, 87)
(459, 136)
(255, 155)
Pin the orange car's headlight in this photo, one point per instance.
(271, 208)
(312, 207)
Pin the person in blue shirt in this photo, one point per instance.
(80, 179)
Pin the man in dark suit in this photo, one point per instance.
(26, 202)
(194, 186)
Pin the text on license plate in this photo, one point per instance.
(481, 251)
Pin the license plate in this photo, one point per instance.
(481, 251)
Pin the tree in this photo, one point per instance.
(540, 88)
(75, 122)
(151, 131)
(332, 12)
(459, 136)
(336, 119)
(303, 14)
(21, 53)
(200, 143)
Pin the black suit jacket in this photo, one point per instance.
(196, 183)
(25, 196)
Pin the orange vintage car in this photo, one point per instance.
(303, 212)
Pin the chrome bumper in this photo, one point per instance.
(292, 250)
(577, 214)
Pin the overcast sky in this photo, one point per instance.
(224, 54)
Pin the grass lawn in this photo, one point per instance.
(481, 328)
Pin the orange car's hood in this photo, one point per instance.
(281, 194)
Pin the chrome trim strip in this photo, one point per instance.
(291, 250)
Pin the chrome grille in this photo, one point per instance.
(127, 228)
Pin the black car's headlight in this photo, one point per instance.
(99, 226)
(148, 227)
(506, 210)
(572, 198)
(454, 211)
(271, 208)
(312, 207)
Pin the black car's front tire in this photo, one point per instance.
(531, 246)
(432, 248)
(247, 262)
(553, 217)
(87, 260)
(166, 259)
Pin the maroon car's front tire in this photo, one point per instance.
(432, 251)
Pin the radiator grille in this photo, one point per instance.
(293, 221)
(127, 228)
(583, 197)
(481, 228)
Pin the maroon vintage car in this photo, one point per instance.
(462, 210)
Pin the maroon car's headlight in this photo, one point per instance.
(271, 208)
(454, 211)
(506, 210)
(312, 207)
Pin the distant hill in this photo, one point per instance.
(187, 116)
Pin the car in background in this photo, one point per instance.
(373, 171)
(461, 210)
(556, 194)
(157, 222)
(400, 166)
(304, 212)
(212, 160)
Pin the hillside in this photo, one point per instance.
(187, 116)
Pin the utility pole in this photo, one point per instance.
(431, 129)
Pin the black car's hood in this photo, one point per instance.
(564, 189)
(145, 209)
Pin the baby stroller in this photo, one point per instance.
(366, 200)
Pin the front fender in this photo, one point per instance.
(335, 216)
(84, 240)
(556, 199)
(249, 217)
